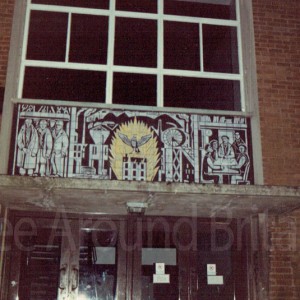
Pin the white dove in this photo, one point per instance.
(134, 142)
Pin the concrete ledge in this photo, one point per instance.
(176, 199)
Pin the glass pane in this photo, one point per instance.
(201, 93)
(47, 36)
(134, 89)
(97, 265)
(220, 49)
(217, 9)
(101, 4)
(89, 36)
(136, 42)
(181, 42)
(147, 6)
(63, 84)
(40, 260)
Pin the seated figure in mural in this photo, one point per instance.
(225, 148)
(27, 148)
(243, 162)
(44, 150)
(60, 148)
(208, 165)
(215, 146)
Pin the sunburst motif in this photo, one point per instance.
(149, 151)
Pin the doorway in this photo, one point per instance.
(88, 257)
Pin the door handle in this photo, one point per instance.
(62, 277)
(74, 278)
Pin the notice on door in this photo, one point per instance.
(211, 269)
(159, 278)
(215, 280)
(212, 278)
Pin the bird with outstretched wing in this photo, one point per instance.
(134, 142)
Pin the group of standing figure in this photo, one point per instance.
(42, 149)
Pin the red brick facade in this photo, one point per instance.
(277, 36)
(277, 27)
(6, 12)
(283, 276)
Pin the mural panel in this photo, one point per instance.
(100, 143)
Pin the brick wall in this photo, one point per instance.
(6, 12)
(277, 35)
(283, 277)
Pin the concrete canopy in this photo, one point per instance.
(111, 197)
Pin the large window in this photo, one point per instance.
(165, 53)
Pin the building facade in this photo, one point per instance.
(149, 149)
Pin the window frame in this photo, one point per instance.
(159, 71)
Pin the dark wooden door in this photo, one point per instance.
(161, 265)
(187, 248)
(133, 257)
(63, 257)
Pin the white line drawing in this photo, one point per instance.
(84, 142)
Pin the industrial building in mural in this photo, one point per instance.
(113, 144)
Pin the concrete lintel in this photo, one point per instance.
(178, 199)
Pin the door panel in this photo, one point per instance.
(151, 290)
(102, 259)
(35, 261)
(68, 258)
(98, 264)
(157, 244)
(217, 246)
(190, 245)
(93, 258)
(69, 265)
(39, 269)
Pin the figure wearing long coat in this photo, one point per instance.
(45, 143)
(45, 149)
(60, 148)
(27, 147)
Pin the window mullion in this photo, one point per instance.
(160, 54)
(201, 47)
(70, 9)
(24, 50)
(110, 52)
(209, 21)
(240, 55)
(68, 37)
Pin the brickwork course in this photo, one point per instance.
(6, 14)
(277, 43)
(277, 36)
